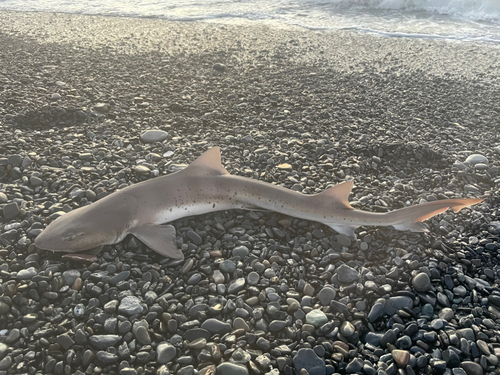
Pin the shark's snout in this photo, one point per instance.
(54, 238)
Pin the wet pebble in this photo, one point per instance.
(153, 136)
(347, 274)
(165, 352)
(130, 305)
(421, 282)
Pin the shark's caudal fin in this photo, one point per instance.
(209, 164)
(411, 218)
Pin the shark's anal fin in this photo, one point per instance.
(412, 227)
(160, 238)
(347, 230)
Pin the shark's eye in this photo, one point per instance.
(71, 237)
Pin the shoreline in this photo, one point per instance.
(302, 109)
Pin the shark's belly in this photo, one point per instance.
(170, 214)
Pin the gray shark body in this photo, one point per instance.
(205, 186)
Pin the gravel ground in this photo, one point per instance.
(408, 120)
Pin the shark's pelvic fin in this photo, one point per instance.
(160, 238)
(209, 164)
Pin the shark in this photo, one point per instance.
(145, 209)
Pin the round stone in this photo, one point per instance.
(476, 159)
(130, 305)
(239, 323)
(472, 368)
(70, 276)
(236, 285)
(253, 278)
(227, 266)
(240, 356)
(241, 251)
(26, 273)
(218, 277)
(142, 169)
(316, 318)
(346, 274)
(142, 335)
(326, 295)
(165, 352)
(215, 326)
(79, 310)
(277, 325)
(446, 314)
(421, 282)
(228, 368)
(347, 329)
(153, 136)
(4, 307)
(460, 291)
(10, 211)
(194, 237)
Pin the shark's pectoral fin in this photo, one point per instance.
(347, 230)
(160, 238)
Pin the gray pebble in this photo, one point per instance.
(476, 159)
(236, 286)
(253, 278)
(347, 329)
(11, 210)
(215, 326)
(165, 352)
(228, 368)
(130, 305)
(153, 136)
(227, 266)
(326, 295)
(5, 363)
(26, 274)
(241, 251)
(70, 276)
(104, 341)
(316, 318)
(421, 282)
(346, 274)
(194, 237)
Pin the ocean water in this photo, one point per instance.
(462, 20)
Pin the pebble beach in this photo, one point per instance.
(90, 105)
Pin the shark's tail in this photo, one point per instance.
(411, 218)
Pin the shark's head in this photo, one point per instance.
(76, 231)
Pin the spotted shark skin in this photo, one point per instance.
(205, 186)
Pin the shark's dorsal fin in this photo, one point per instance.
(209, 163)
(339, 194)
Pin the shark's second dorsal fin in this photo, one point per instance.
(338, 193)
(209, 163)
